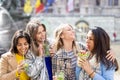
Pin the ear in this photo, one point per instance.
(62, 36)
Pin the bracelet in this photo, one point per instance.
(91, 74)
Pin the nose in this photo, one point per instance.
(73, 31)
(23, 47)
(87, 40)
(43, 33)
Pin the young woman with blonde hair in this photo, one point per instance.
(65, 58)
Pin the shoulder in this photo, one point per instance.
(7, 54)
(106, 74)
(30, 55)
(58, 54)
(104, 68)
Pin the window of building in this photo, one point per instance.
(76, 5)
(113, 2)
(97, 2)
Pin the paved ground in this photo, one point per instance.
(116, 48)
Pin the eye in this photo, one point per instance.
(18, 44)
(70, 29)
(26, 44)
(39, 32)
(91, 39)
(86, 37)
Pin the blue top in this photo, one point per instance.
(105, 74)
(48, 63)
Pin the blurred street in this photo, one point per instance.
(116, 48)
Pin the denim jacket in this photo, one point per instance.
(104, 75)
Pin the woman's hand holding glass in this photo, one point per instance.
(81, 55)
(20, 67)
(84, 63)
(87, 67)
(59, 76)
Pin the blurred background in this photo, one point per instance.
(81, 14)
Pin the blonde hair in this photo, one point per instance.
(58, 40)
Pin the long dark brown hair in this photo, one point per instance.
(32, 29)
(101, 46)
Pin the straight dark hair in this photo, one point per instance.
(19, 34)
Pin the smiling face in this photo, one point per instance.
(22, 46)
(68, 33)
(40, 35)
(90, 41)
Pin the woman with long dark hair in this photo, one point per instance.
(97, 66)
(12, 63)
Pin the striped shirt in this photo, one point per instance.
(64, 61)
